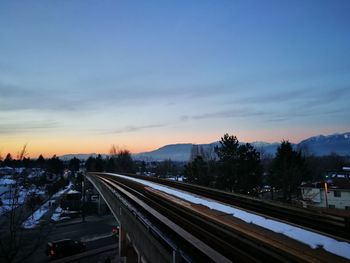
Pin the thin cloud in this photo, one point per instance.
(15, 97)
(240, 113)
(25, 127)
(309, 95)
(129, 129)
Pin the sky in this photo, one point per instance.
(81, 76)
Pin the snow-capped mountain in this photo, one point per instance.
(318, 145)
(325, 145)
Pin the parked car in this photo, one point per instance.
(63, 248)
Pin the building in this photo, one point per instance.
(333, 192)
(71, 200)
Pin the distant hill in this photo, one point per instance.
(80, 156)
(182, 152)
(325, 145)
(175, 152)
(317, 145)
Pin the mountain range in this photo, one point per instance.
(318, 145)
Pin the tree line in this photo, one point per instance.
(52, 165)
(239, 168)
(230, 166)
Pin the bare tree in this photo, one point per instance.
(16, 244)
(23, 153)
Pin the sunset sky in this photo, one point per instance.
(79, 76)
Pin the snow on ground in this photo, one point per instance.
(56, 214)
(34, 219)
(308, 237)
(64, 190)
(178, 178)
(9, 204)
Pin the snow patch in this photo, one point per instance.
(308, 237)
(34, 219)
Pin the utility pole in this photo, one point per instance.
(83, 187)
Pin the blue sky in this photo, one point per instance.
(79, 76)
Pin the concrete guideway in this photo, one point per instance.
(317, 255)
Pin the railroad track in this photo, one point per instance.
(334, 225)
(230, 241)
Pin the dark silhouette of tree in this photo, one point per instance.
(165, 168)
(74, 164)
(198, 172)
(55, 165)
(111, 164)
(99, 164)
(125, 164)
(8, 161)
(119, 161)
(56, 186)
(228, 160)
(26, 162)
(14, 246)
(93, 164)
(319, 165)
(41, 162)
(90, 164)
(23, 153)
(288, 170)
(239, 164)
(249, 168)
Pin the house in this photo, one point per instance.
(332, 192)
(71, 200)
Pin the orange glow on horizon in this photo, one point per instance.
(136, 143)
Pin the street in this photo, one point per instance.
(95, 233)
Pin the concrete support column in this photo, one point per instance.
(122, 241)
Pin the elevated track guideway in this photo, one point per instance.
(171, 229)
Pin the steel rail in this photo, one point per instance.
(333, 225)
(232, 243)
(137, 198)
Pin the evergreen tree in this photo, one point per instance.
(74, 164)
(198, 172)
(288, 170)
(41, 162)
(228, 161)
(8, 160)
(111, 164)
(90, 164)
(55, 165)
(240, 165)
(249, 168)
(99, 164)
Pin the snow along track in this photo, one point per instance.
(313, 239)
